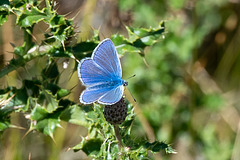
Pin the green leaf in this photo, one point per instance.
(19, 100)
(4, 11)
(31, 16)
(76, 115)
(123, 46)
(60, 34)
(119, 40)
(50, 71)
(148, 40)
(147, 36)
(20, 50)
(48, 126)
(139, 38)
(61, 29)
(62, 93)
(4, 125)
(126, 48)
(25, 108)
(46, 122)
(32, 87)
(158, 146)
(6, 107)
(49, 101)
(90, 146)
(83, 49)
(56, 21)
(38, 113)
(4, 2)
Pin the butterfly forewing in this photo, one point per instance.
(90, 73)
(105, 55)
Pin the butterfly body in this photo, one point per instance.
(111, 83)
(102, 75)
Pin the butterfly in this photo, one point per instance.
(102, 75)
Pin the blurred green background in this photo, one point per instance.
(186, 85)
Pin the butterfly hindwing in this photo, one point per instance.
(92, 94)
(112, 96)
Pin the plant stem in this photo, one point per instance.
(118, 136)
(28, 38)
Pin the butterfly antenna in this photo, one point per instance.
(131, 76)
(129, 90)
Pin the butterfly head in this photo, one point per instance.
(125, 83)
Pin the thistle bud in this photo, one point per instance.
(116, 113)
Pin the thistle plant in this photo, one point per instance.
(45, 103)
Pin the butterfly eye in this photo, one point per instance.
(125, 83)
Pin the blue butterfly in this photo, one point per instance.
(102, 75)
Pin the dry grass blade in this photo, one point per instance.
(4, 102)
